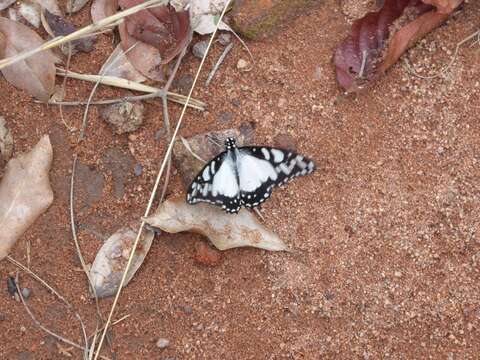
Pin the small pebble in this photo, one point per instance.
(23, 329)
(138, 169)
(11, 287)
(225, 39)
(162, 343)
(199, 49)
(242, 65)
(26, 292)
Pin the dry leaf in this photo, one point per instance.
(109, 264)
(25, 193)
(103, 8)
(160, 34)
(5, 4)
(36, 74)
(370, 48)
(58, 26)
(224, 230)
(122, 68)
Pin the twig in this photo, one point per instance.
(412, 71)
(59, 40)
(64, 86)
(362, 66)
(85, 114)
(157, 181)
(218, 63)
(127, 84)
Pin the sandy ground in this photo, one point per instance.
(385, 234)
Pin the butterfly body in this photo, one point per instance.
(245, 176)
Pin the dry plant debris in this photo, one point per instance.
(110, 261)
(6, 143)
(154, 37)
(118, 65)
(223, 230)
(378, 39)
(25, 193)
(36, 75)
(103, 8)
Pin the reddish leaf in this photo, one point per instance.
(36, 74)
(102, 9)
(362, 56)
(161, 27)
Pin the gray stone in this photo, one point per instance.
(124, 117)
(26, 292)
(200, 48)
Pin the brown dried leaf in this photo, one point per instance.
(162, 33)
(362, 55)
(36, 74)
(224, 230)
(122, 68)
(25, 193)
(103, 8)
(58, 26)
(111, 260)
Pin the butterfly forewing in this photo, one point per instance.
(217, 184)
(260, 169)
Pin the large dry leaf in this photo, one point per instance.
(160, 32)
(36, 74)
(119, 66)
(374, 44)
(109, 264)
(103, 8)
(224, 230)
(25, 193)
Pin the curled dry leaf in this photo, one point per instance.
(103, 8)
(25, 193)
(36, 74)
(30, 12)
(371, 48)
(160, 33)
(109, 264)
(119, 66)
(58, 26)
(204, 14)
(224, 230)
(50, 5)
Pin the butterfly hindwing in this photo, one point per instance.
(216, 184)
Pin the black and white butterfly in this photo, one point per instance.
(245, 176)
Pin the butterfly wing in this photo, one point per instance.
(260, 169)
(217, 184)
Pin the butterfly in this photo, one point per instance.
(245, 176)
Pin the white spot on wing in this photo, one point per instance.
(277, 155)
(206, 174)
(266, 154)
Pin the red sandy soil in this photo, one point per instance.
(385, 234)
